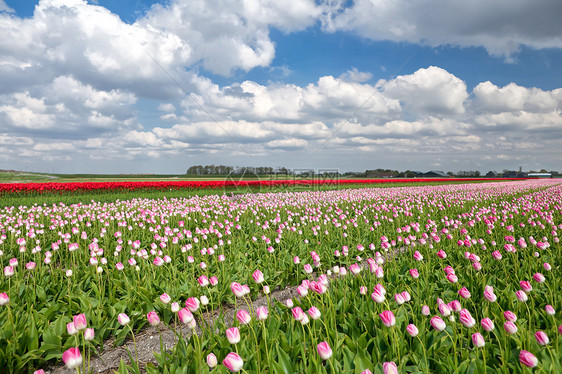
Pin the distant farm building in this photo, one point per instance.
(539, 175)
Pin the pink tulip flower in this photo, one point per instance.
(4, 299)
(389, 368)
(324, 350)
(185, 316)
(542, 338)
(466, 318)
(212, 360)
(123, 319)
(233, 362)
(528, 359)
(243, 317)
(153, 318)
(464, 293)
(510, 327)
(387, 318)
(487, 324)
(478, 340)
(412, 330)
(72, 358)
(262, 313)
(258, 277)
(237, 289)
(233, 335)
(438, 323)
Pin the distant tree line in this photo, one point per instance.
(230, 170)
(376, 173)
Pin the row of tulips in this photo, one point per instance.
(10, 188)
(410, 279)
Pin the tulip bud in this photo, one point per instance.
(324, 350)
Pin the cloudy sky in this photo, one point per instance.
(123, 86)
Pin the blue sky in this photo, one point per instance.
(158, 86)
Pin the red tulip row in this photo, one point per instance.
(216, 184)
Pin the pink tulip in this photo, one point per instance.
(399, 299)
(258, 277)
(214, 281)
(487, 324)
(185, 315)
(302, 291)
(72, 358)
(233, 362)
(452, 278)
(123, 319)
(441, 254)
(158, 261)
(549, 310)
(464, 293)
(490, 295)
(497, 255)
(307, 268)
(212, 360)
(324, 350)
(546, 266)
(40, 371)
(233, 335)
(412, 330)
(521, 296)
(444, 310)
(363, 290)
(237, 289)
(542, 338)
(71, 328)
(389, 368)
(539, 278)
(377, 297)
(175, 307)
(455, 305)
(418, 256)
(466, 318)
(387, 318)
(192, 304)
(203, 281)
(262, 313)
(526, 286)
(510, 316)
(438, 323)
(425, 310)
(89, 334)
(9, 271)
(478, 340)
(510, 327)
(4, 299)
(406, 296)
(165, 298)
(414, 273)
(243, 317)
(153, 318)
(314, 312)
(528, 359)
(297, 313)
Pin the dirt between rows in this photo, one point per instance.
(148, 339)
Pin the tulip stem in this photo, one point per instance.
(135, 344)
(424, 355)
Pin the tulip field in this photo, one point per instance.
(458, 278)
